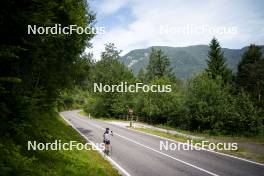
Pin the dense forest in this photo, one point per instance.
(217, 100)
(34, 71)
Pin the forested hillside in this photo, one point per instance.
(215, 101)
(185, 61)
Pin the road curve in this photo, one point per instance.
(139, 154)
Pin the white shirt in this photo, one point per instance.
(107, 136)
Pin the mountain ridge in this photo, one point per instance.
(185, 61)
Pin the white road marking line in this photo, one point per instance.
(196, 167)
(98, 149)
(212, 151)
(224, 154)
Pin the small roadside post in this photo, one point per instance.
(130, 113)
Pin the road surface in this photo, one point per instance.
(139, 154)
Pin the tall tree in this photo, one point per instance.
(39, 66)
(250, 74)
(111, 52)
(82, 69)
(109, 71)
(159, 65)
(216, 63)
(141, 75)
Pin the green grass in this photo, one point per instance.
(44, 127)
(176, 129)
(256, 139)
(243, 151)
(162, 134)
(83, 113)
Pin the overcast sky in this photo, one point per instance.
(133, 24)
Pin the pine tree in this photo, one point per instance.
(250, 74)
(141, 75)
(111, 52)
(216, 63)
(159, 65)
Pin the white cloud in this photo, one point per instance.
(144, 31)
(110, 6)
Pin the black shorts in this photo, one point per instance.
(107, 142)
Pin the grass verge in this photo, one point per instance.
(45, 127)
(256, 139)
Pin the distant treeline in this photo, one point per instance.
(215, 101)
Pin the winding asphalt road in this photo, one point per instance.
(139, 154)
